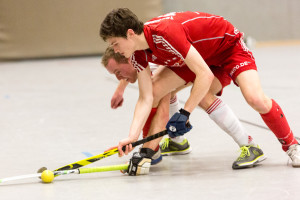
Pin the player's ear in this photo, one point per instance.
(130, 33)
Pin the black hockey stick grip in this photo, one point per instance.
(147, 139)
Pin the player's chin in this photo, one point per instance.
(126, 55)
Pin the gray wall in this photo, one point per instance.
(265, 20)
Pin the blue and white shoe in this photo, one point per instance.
(156, 158)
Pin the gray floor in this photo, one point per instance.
(54, 112)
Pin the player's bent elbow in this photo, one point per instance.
(210, 77)
(147, 99)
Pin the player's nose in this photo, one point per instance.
(117, 50)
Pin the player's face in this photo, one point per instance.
(122, 70)
(121, 45)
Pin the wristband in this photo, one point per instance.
(184, 112)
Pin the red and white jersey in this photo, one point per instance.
(170, 37)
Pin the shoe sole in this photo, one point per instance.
(251, 164)
(296, 165)
(186, 151)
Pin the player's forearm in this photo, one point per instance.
(122, 85)
(204, 78)
(141, 113)
(199, 90)
(144, 104)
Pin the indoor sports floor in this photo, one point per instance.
(57, 111)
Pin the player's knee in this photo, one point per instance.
(206, 102)
(203, 104)
(259, 103)
(157, 96)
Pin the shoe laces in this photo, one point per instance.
(165, 144)
(244, 152)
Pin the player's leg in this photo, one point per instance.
(177, 145)
(270, 112)
(157, 124)
(174, 102)
(170, 81)
(154, 69)
(163, 83)
(174, 107)
(224, 117)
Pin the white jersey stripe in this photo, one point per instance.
(209, 39)
(245, 48)
(200, 18)
(146, 56)
(135, 64)
(229, 34)
(220, 37)
(159, 39)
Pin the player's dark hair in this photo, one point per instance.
(109, 53)
(118, 21)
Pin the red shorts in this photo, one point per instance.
(186, 74)
(239, 59)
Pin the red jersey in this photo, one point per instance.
(170, 37)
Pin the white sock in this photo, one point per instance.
(178, 139)
(174, 107)
(224, 117)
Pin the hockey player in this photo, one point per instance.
(190, 41)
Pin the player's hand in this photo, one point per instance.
(110, 148)
(117, 100)
(125, 145)
(140, 162)
(178, 124)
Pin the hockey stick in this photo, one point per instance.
(74, 171)
(92, 159)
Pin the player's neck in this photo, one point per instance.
(141, 42)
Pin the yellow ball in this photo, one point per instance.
(47, 176)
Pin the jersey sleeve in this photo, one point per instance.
(139, 60)
(175, 39)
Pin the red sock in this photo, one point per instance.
(278, 124)
(148, 122)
